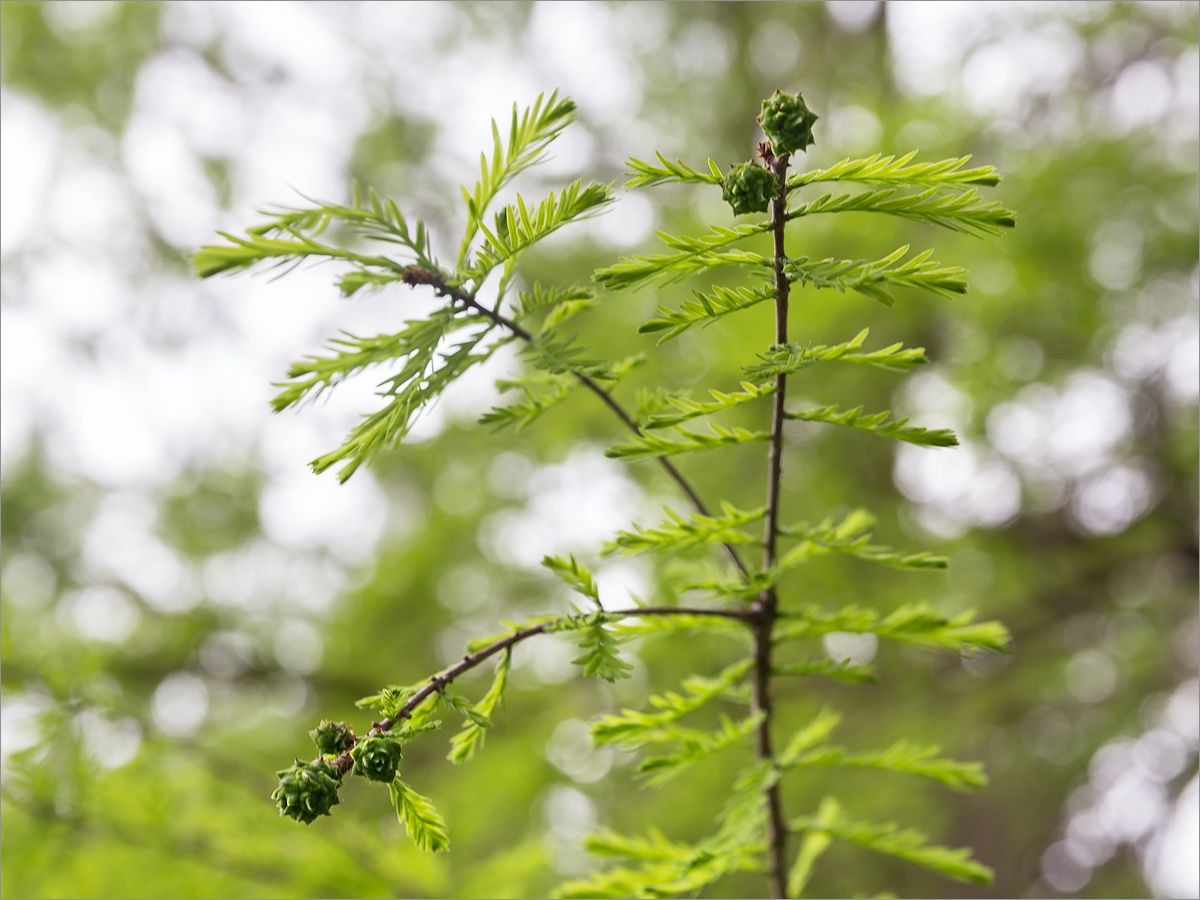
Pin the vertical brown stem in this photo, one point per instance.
(768, 602)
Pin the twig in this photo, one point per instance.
(437, 683)
(414, 275)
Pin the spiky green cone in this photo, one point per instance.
(747, 187)
(306, 790)
(377, 758)
(332, 737)
(788, 122)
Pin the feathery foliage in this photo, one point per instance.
(681, 533)
(963, 212)
(907, 844)
(879, 169)
(601, 657)
(851, 536)
(873, 278)
(876, 423)
(694, 746)
(689, 409)
(631, 727)
(464, 744)
(721, 301)
(541, 390)
(691, 255)
(792, 358)
(914, 623)
(529, 134)
(752, 608)
(651, 446)
(838, 670)
(648, 174)
(518, 228)
(574, 574)
(420, 819)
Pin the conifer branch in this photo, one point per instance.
(752, 830)
(438, 683)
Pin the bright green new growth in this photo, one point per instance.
(749, 604)
(788, 122)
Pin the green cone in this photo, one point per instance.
(788, 122)
(306, 790)
(332, 737)
(377, 758)
(747, 188)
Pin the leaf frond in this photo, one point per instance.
(420, 818)
(902, 757)
(464, 744)
(541, 392)
(680, 533)
(816, 842)
(517, 228)
(908, 844)
(601, 658)
(529, 134)
(707, 308)
(838, 670)
(540, 298)
(417, 385)
(695, 746)
(793, 357)
(851, 536)
(724, 582)
(921, 624)
(629, 728)
(668, 870)
(652, 446)
(689, 409)
(877, 423)
(574, 574)
(691, 255)
(647, 174)
(873, 279)
(880, 169)
(962, 212)
(559, 354)
(815, 732)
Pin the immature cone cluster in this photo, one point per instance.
(306, 790)
(788, 122)
(377, 758)
(747, 187)
(332, 738)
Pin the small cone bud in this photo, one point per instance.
(377, 758)
(747, 188)
(306, 790)
(788, 122)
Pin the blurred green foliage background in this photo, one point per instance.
(182, 600)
